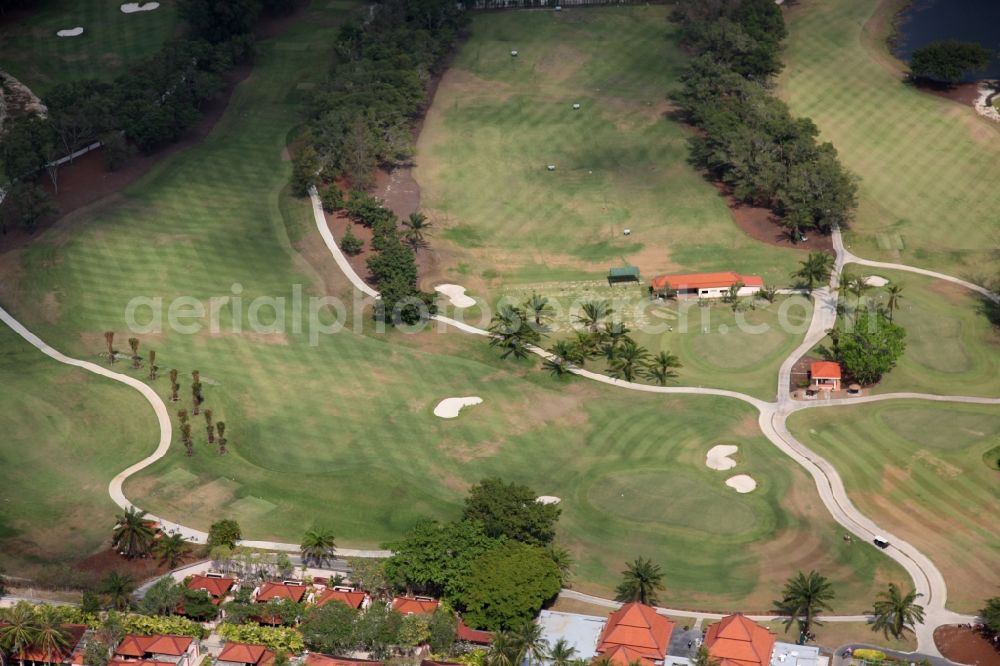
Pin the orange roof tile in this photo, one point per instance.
(408, 605)
(281, 591)
(216, 587)
(316, 659)
(624, 656)
(245, 653)
(705, 280)
(824, 370)
(139, 646)
(737, 641)
(639, 627)
(74, 633)
(117, 661)
(352, 599)
(469, 635)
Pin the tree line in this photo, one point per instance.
(147, 107)
(747, 139)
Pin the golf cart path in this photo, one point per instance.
(773, 415)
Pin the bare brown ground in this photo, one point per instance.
(107, 560)
(763, 225)
(964, 645)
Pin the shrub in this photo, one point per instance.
(869, 654)
(333, 199)
(350, 243)
(284, 639)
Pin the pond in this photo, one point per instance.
(926, 21)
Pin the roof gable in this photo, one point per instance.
(638, 627)
(352, 599)
(216, 587)
(706, 280)
(737, 641)
(245, 653)
(624, 656)
(824, 370)
(408, 605)
(139, 646)
(281, 591)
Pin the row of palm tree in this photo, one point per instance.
(134, 536)
(858, 286)
(25, 627)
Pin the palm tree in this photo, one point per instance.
(562, 653)
(109, 338)
(563, 560)
(416, 226)
(118, 587)
(640, 582)
(569, 351)
(539, 308)
(152, 364)
(502, 651)
(629, 360)
(804, 597)
(703, 658)
(531, 644)
(171, 549)
(51, 638)
(816, 268)
(557, 366)
(134, 344)
(895, 292)
(132, 536)
(510, 333)
(318, 545)
(18, 629)
(859, 285)
(593, 312)
(660, 368)
(896, 613)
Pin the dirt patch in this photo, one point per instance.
(398, 190)
(338, 224)
(966, 645)
(963, 93)
(450, 480)
(464, 453)
(107, 560)
(762, 224)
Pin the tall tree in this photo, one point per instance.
(629, 360)
(171, 549)
(641, 581)
(660, 368)
(152, 365)
(539, 308)
(805, 596)
(816, 268)
(416, 226)
(434, 558)
(509, 331)
(220, 427)
(118, 588)
(18, 628)
(562, 653)
(991, 614)
(163, 597)
(109, 339)
(511, 510)
(209, 426)
(703, 658)
(872, 347)
(895, 293)
(895, 613)
(133, 536)
(592, 313)
(531, 643)
(196, 397)
(224, 532)
(949, 61)
(318, 545)
(133, 343)
(173, 385)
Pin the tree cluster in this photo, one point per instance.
(747, 138)
(362, 116)
(949, 61)
(497, 565)
(336, 628)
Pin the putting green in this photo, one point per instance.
(928, 167)
(916, 468)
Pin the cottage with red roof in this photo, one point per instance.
(737, 641)
(640, 629)
(166, 649)
(707, 285)
(278, 593)
(414, 605)
(824, 376)
(217, 588)
(245, 654)
(476, 636)
(316, 659)
(353, 598)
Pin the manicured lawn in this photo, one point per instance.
(111, 41)
(918, 468)
(66, 433)
(832, 635)
(718, 347)
(928, 167)
(951, 347)
(498, 121)
(341, 432)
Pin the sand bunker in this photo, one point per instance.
(742, 483)
(70, 32)
(718, 457)
(548, 499)
(132, 7)
(456, 294)
(876, 281)
(450, 407)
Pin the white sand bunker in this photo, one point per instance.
(548, 499)
(742, 483)
(718, 457)
(70, 32)
(450, 407)
(132, 7)
(876, 281)
(456, 294)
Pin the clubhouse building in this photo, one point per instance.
(707, 285)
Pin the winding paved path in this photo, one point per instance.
(773, 416)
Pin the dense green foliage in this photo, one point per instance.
(748, 139)
(329, 628)
(284, 639)
(508, 585)
(225, 532)
(870, 347)
(362, 117)
(949, 60)
(991, 614)
(510, 510)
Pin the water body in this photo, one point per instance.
(926, 21)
